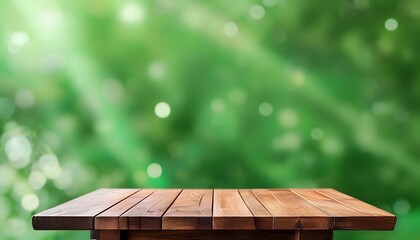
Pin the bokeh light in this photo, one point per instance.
(218, 106)
(37, 179)
(402, 207)
(17, 41)
(50, 166)
(231, 29)
(317, 133)
(288, 118)
(162, 110)
(18, 149)
(391, 24)
(265, 109)
(131, 12)
(257, 12)
(24, 99)
(154, 170)
(30, 202)
(157, 70)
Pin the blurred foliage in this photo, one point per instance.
(208, 94)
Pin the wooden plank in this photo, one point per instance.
(78, 214)
(263, 219)
(311, 217)
(345, 217)
(334, 208)
(192, 210)
(383, 220)
(290, 211)
(174, 209)
(211, 235)
(230, 211)
(109, 219)
(353, 202)
(148, 213)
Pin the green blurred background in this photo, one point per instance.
(209, 94)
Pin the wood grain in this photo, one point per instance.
(342, 214)
(148, 213)
(378, 220)
(192, 210)
(230, 211)
(212, 235)
(314, 212)
(290, 211)
(353, 202)
(263, 219)
(78, 214)
(109, 219)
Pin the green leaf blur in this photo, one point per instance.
(208, 94)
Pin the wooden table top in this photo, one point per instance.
(218, 209)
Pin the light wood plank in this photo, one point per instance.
(334, 208)
(382, 220)
(353, 202)
(109, 219)
(230, 211)
(290, 211)
(263, 219)
(78, 214)
(192, 210)
(148, 213)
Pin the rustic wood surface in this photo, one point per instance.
(386, 221)
(79, 214)
(109, 219)
(290, 211)
(230, 211)
(192, 210)
(263, 218)
(148, 213)
(204, 210)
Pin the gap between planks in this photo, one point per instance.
(170, 205)
(249, 208)
(94, 217)
(345, 204)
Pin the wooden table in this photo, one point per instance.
(147, 214)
